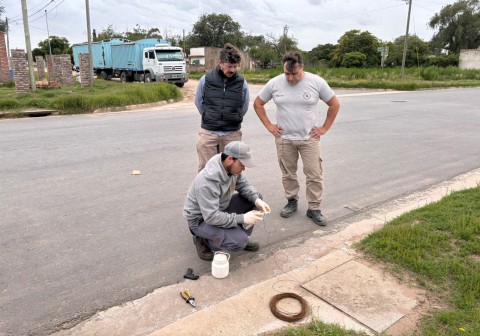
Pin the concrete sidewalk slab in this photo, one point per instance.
(366, 294)
(238, 304)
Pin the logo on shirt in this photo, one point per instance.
(307, 96)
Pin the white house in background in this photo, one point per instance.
(469, 59)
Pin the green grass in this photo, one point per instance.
(438, 246)
(377, 78)
(75, 99)
(318, 328)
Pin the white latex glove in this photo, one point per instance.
(252, 217)
(262, 205)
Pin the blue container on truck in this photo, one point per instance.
(146, 60)
(101, 53)
(129, 56)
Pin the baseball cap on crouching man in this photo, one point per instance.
(240, 151)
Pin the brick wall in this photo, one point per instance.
(51, 74)
(84, 69)
(20, 68)
(40, 67)
(4, 70)
(67, 70)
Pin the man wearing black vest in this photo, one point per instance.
(222, 99)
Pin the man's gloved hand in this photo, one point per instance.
(262, 205)
(252, 217)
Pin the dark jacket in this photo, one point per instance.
(222, 101)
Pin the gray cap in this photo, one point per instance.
(241, 151)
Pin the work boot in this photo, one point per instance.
(203, 250)
(317, 217)
(252, 246)
(290, 208)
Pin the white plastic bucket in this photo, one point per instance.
(220, 265)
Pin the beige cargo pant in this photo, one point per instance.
(309, 150)
(209, 144)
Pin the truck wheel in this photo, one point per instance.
(123, 77)
(180, 84)
(148, 78)
(103, 74)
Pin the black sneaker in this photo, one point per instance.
(290, 208)
(317, 217)
(252, 246)
(203, 250)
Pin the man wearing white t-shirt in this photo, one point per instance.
(296, 94)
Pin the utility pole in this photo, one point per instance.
(48, 34)
(28, 45)
(406, 37)
(90, 58)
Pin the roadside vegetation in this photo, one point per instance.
(438, 246)
(75, 99)
(378, 78)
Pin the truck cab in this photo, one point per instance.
(164, 63)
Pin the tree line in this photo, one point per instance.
(457, 26)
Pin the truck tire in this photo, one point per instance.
(148, 77)
(123, 77)
(180, 84)
(103, 74)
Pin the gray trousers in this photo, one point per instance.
(218, 238)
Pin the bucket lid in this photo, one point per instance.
(220, 257)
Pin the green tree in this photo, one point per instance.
(106, 34)
(59, 45)
(261, 51)
(418, 51)
(139, 33)
(458, 26)
(354, 60)
(357, 41)
(3, 24)
(215, 30)
(322, 53)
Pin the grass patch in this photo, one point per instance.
(75, 99)
(317, 328)
(377, 78)
(439, 244)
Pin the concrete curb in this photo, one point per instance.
(238, 304)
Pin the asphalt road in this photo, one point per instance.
(80, 233)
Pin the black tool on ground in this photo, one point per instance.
(190, 275)
(187, 296)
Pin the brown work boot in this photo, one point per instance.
(203, 250)
(252, 246)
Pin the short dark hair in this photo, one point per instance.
(230, 54)
(292, 58)
(225, 156)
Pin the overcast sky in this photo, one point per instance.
(310, 22)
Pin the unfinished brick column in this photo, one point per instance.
(20, 68)
(4, 70)
(40, 67)
(67, 70)
(58, 69)
(84, 69)
(51, 74)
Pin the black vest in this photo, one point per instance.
(222, 101)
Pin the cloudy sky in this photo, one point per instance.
(310, 22)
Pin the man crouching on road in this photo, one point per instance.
(218, 218)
